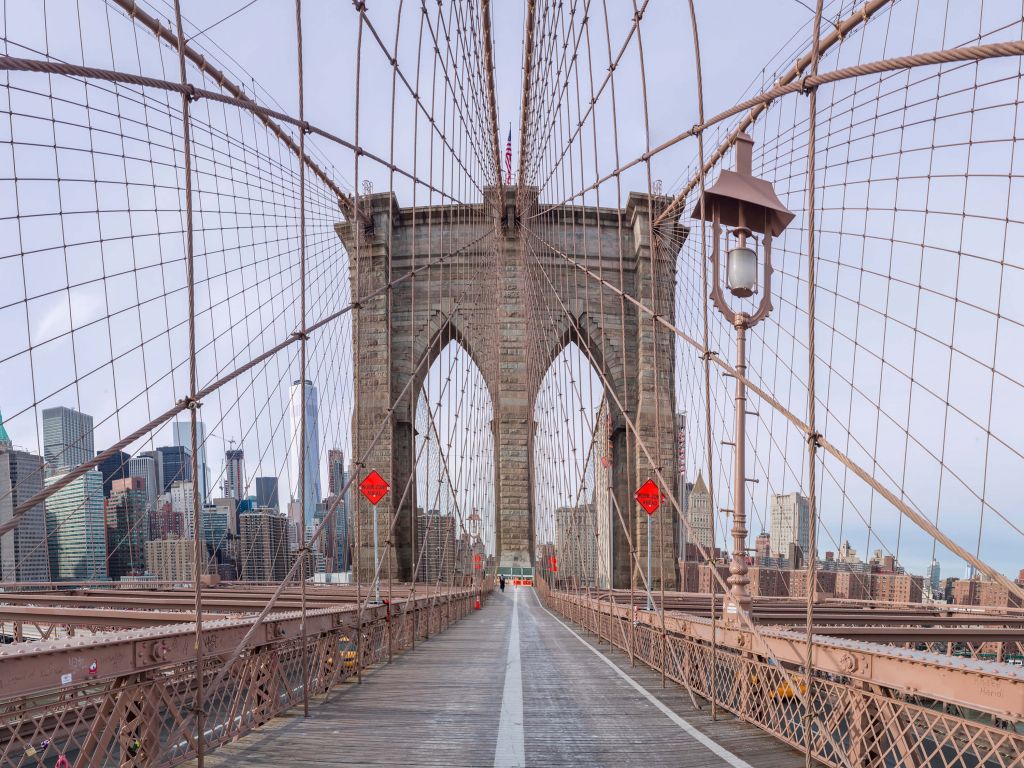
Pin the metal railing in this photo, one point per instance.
(129, 699)
(867, 715)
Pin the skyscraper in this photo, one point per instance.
(143, 466)
(164, 521)
(127, 528)
(67, 437)
(171, 559)
(763, 547)
(23, 552)
(266, 492)
(326, 544)
(698, 513)
(182, 506)
(335, 471)
(76, 530)
(791, 524)
(264, 552)
(183, 438)
(234, 474)
(343, 535)
(114, 467)
(933, 576)
(216, 519)
(157, 468)
(175, 465)
(310, 494)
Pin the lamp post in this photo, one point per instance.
(745, 205)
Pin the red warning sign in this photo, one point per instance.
(648, 496)
(553, 564)
(478, 561)
(374, 487)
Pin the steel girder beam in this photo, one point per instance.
(51, 665)
(92, 617)
(981, 685)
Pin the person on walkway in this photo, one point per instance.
(501, 582)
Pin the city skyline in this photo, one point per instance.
(139, 466)
(100, 525)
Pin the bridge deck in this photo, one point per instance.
(510, 685)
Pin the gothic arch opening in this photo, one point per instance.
(455, 516)
(570, 460)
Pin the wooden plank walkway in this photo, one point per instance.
(548, 701)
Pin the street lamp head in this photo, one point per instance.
(741, 270)
(744, 205)
(740, 199)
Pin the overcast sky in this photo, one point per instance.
(912, 340)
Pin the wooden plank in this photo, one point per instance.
(440, 704)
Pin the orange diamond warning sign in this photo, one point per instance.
(374, 487)
(648, 496)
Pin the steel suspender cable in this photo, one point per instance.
(812, 442)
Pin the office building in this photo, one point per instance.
(337, 539)
(164, 521)
(762, 547)
(853, 585)
(791, 524)
(343, 530)
(317, 562)
(248, 504)
(234, 474)
(183, 504)
(699, 516)
(217, 523)
(768, 582)
(896, 588)
(266, 493)
(294, 515)
(175, 464)
(327, 542)
(143, 467)
(67, 438)
(171, 559)
(23, 551)
(114, 467)
(309, 455)
(157, 467)
(183, 438)
(264, 545)
(336, 475)
(226, 512)
(76, 529)
(127, 528)
(933, 577)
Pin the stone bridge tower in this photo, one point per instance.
(398, 332)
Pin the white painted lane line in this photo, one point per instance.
(707, 741)
(510, 750)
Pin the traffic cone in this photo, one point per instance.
(477, 605)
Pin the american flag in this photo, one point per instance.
(508, 157)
